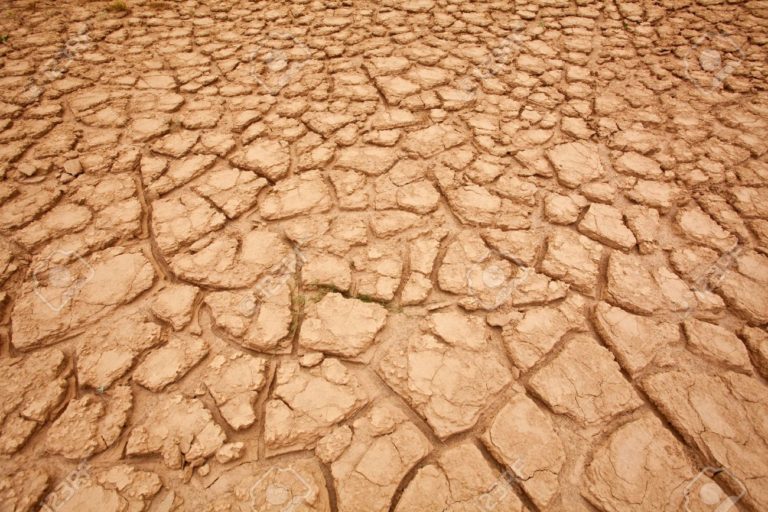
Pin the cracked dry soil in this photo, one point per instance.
(396, 256)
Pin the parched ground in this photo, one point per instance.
(397, 256)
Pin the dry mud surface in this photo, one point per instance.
(406, 256)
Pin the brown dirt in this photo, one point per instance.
(397, 256)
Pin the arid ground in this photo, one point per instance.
(396, 256)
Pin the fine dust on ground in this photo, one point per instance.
(396, 256)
